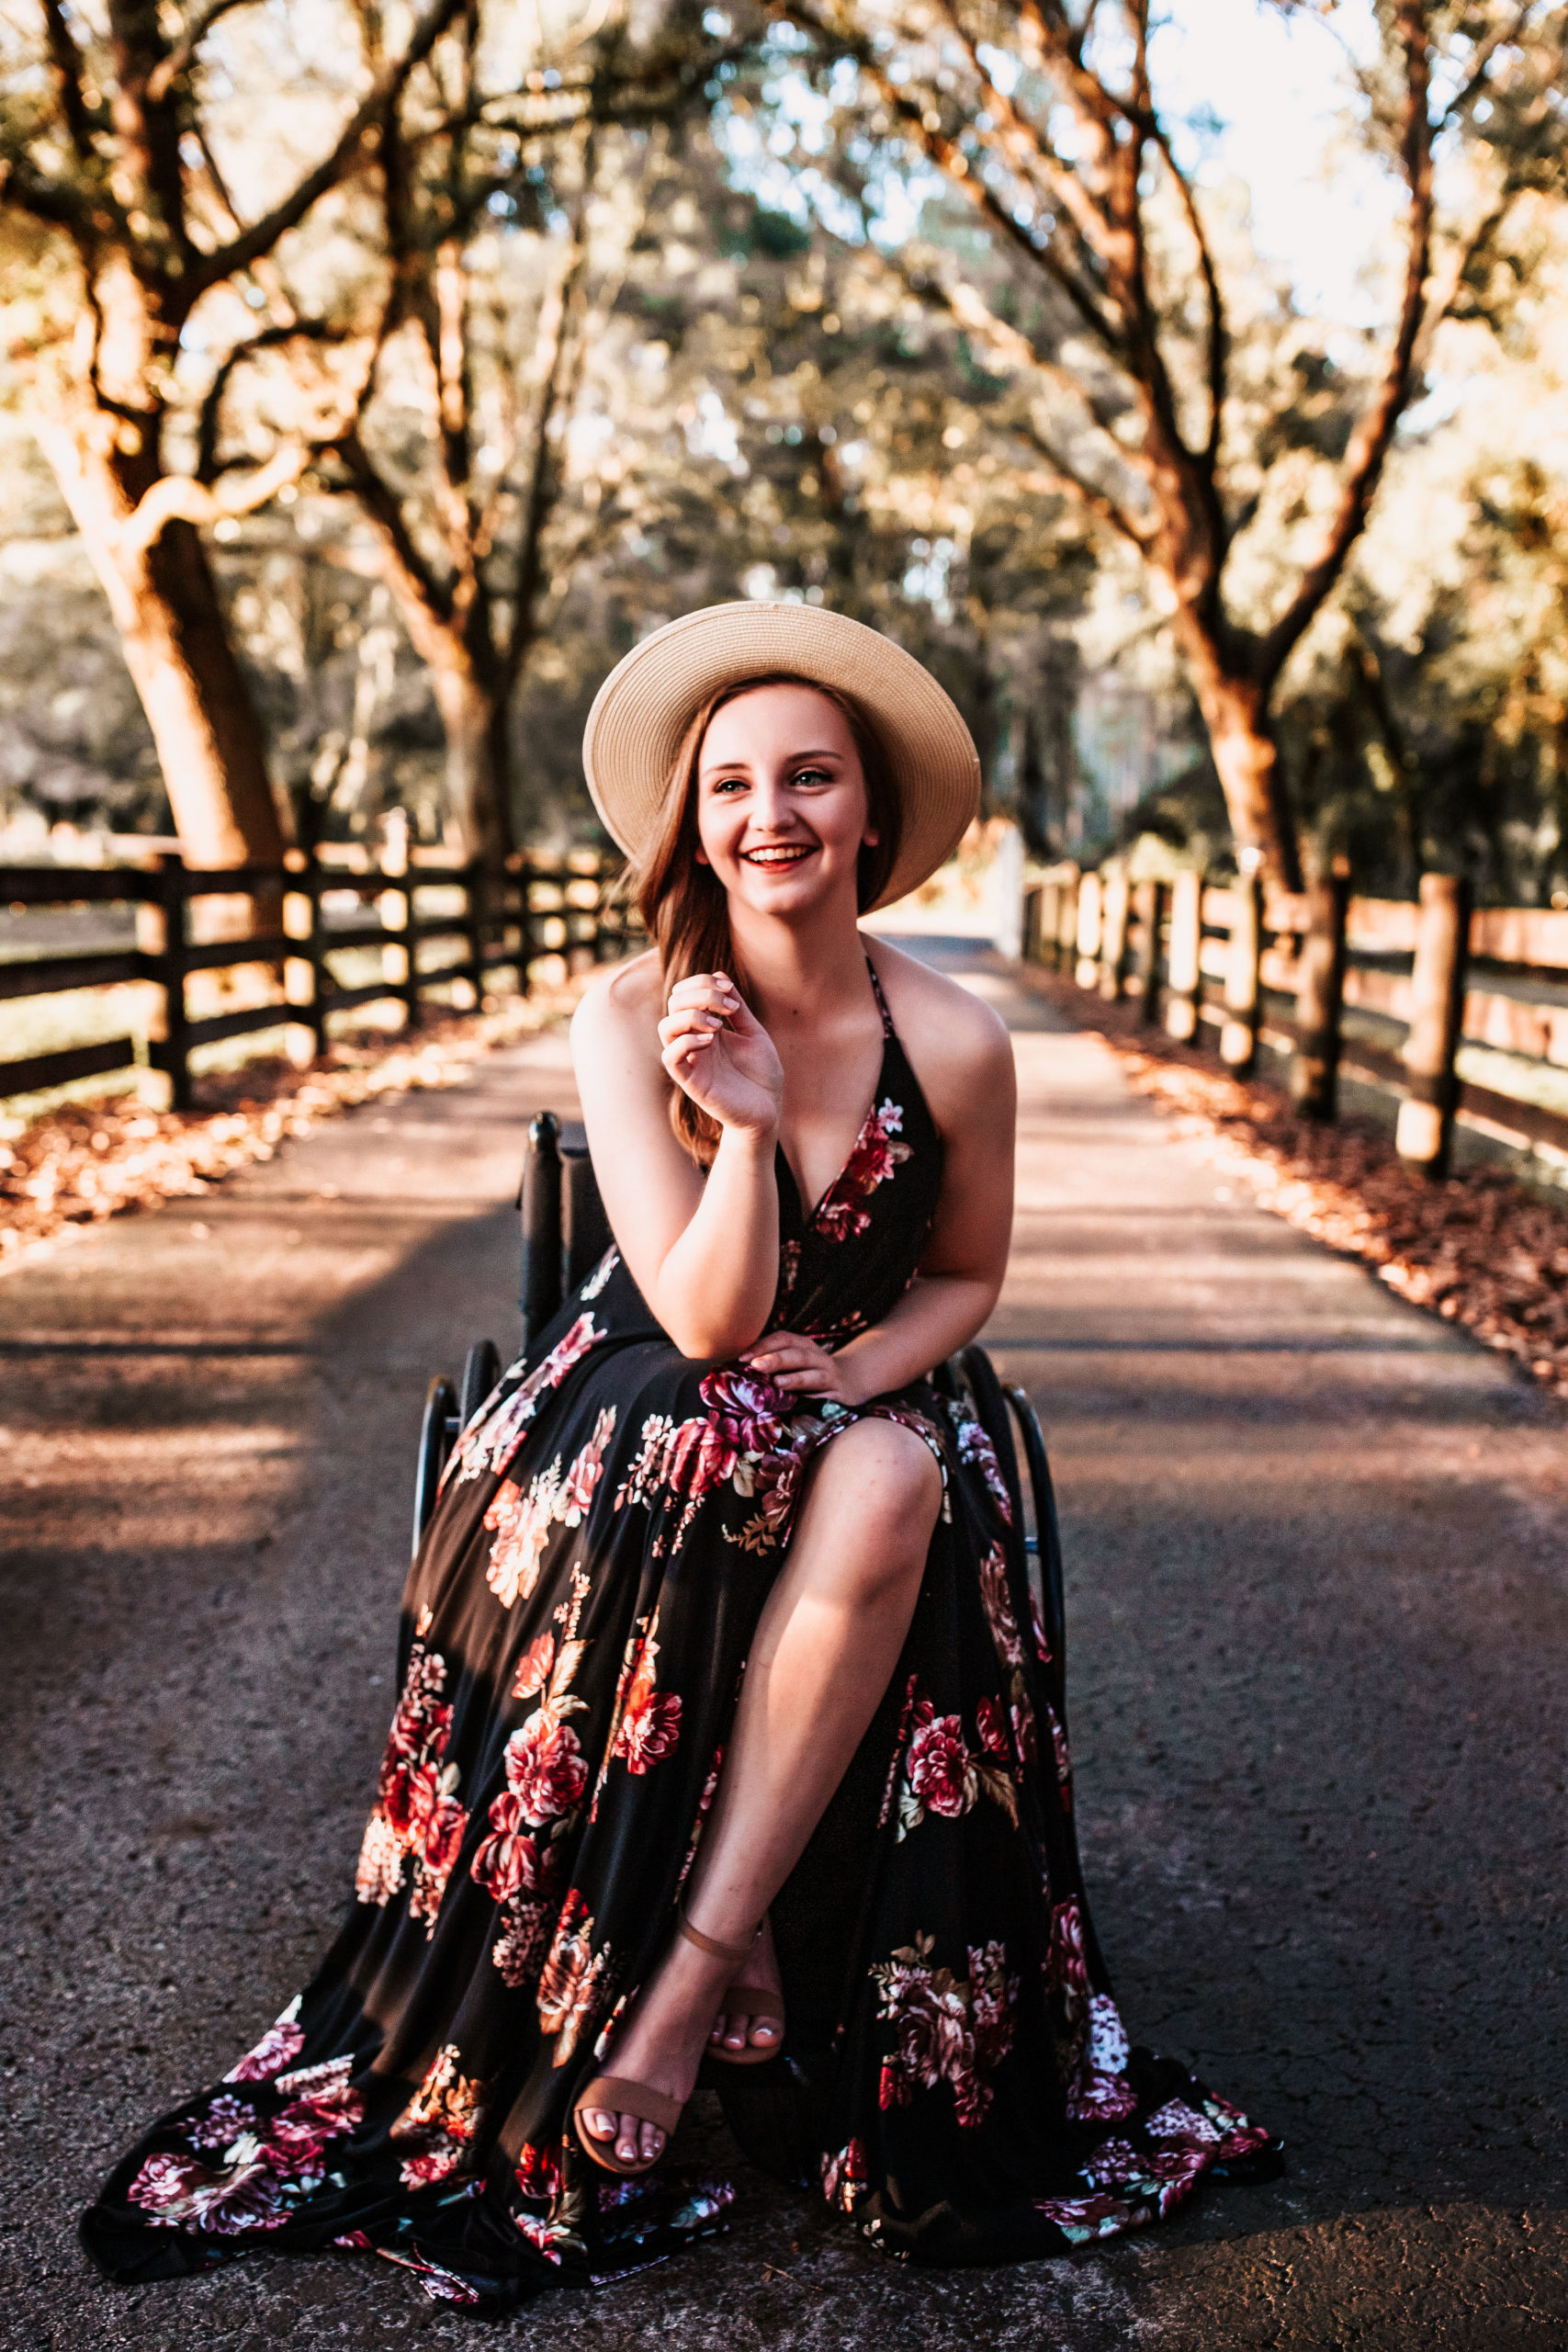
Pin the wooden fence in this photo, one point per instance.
(1385, 992)
(312, 910)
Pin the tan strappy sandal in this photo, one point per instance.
(758, 2004)
(615, 2095)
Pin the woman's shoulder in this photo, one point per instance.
(938, 1012)
(958, 1044)
(626, 998)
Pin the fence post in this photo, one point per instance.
(302, 973)
(1425, 1133)
(475, 883)
(1239, 1038)
(1087, 970)
(1066, 924)
(173, 904)
(1113, 938)
(518, 865)
(1039, 931)
(1320, 998)
(1183, 975)
(1148, 907)
(394, 909)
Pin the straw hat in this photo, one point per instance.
(648, 701)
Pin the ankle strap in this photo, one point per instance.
(710, 1944)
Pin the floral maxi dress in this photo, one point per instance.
(955, 2078)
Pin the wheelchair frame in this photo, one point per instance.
(565, 1233)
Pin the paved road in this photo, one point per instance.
(1319, 1624)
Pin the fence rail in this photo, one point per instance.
(1389, 992)
(536, 907)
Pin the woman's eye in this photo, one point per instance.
(812, 776)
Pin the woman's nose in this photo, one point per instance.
(771, 810)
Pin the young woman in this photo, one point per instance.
(726, 1730)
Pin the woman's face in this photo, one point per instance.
(781, 800)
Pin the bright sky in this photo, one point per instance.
(1275, 84)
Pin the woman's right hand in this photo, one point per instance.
(720, 1054)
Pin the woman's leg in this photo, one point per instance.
(825, 1647)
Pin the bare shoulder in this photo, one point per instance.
(623, 1003)
(959, 1044)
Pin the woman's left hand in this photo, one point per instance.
(801, 1368)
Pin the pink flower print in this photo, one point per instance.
(1067, 1966)
(221, 2125)
(278, 2048)
(577, 1490)
(521, 1524)
(507, 1860)
(533, 1667)
(998, 1607)
(1100, 2091)
(754, 1412)
(650, 1728)
(570, 1976)
(537, 2171)
(877, 1152)
(1059, 1747)
(545, 1770)
(702, 1455)
(442, 1835)
(941, 1777)
(489, 1442)
(946, 2027)
(175, 2192)
(993, 1738)
(975, 1446)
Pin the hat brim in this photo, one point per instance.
(649, 699)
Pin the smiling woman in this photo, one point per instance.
(727, 1731)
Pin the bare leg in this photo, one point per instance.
(827, 1643)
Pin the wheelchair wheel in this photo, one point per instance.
(438, 1431)
(481, 1369)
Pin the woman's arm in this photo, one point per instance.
(704, 1254)
(969, 1081)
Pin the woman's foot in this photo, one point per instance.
(661, 2044)
(760, 1971)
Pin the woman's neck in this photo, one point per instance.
(798, 973)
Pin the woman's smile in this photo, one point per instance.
(773, 855)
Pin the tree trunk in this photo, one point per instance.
(476, 716)
(165, 606)
(1235, 712)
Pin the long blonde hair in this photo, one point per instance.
(682, 902)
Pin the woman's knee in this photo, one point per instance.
(877, 1490)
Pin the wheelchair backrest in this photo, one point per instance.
(565, 1230)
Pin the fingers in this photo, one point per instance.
(798, 1366)
(711, 992)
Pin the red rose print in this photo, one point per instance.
(545, 1768)
(939, 1770)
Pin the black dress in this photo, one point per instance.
(955, 2079)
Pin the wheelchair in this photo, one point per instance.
(565, 1233)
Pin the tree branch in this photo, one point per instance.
(1502, 38)
(1098, 502)
(180, 497)
(384, 509)
(160, 81)
(383, 94)
(1373, 436)
(269, 339)
(66, 60)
